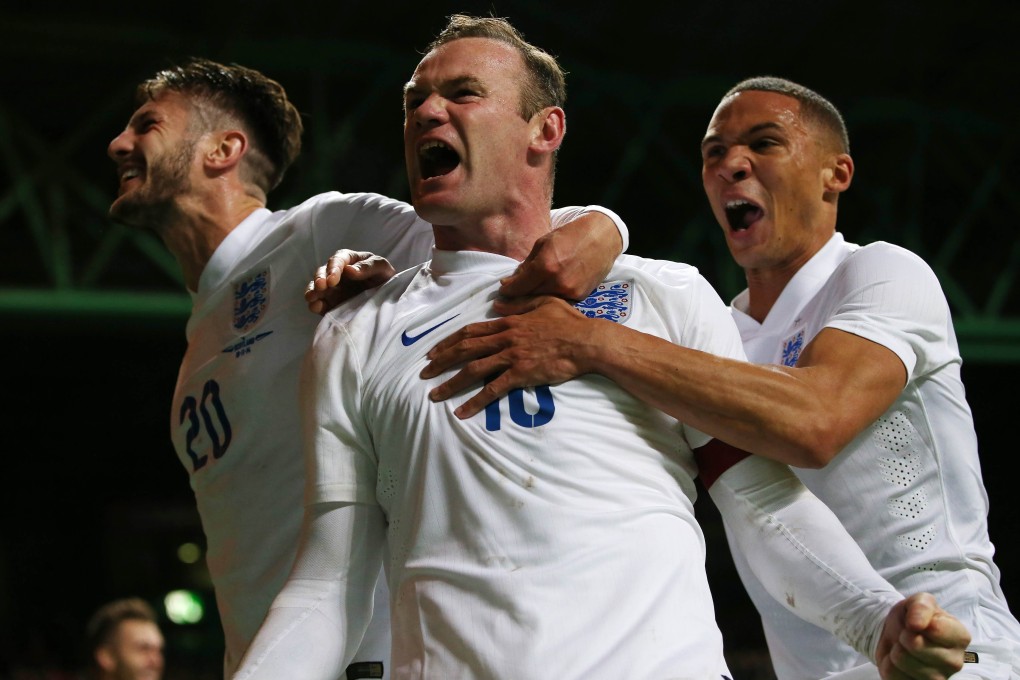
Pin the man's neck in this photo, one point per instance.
(511, 233)
(198, 230)
(765, 284)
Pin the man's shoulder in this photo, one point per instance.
(887, 258)
(656, 268)
(350, 201)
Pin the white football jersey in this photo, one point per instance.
(908, 488)
(551, 535)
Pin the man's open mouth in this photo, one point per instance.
(741, 214)
(435, 158)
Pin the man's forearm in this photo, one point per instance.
(804, 557)
(765, 410)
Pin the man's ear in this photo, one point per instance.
(548, 128)
(839, 174)
(226, 150)
(105, 660)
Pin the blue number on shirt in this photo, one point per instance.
(190, 410)
(518, 413)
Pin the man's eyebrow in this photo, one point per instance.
(754, 129)
(710, 139)
(450, 83)
(141, 115)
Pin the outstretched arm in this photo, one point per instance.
(808, 562)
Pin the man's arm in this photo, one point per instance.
(569, 262)
(546, 341)
(573, 258)
(808, 562)
(317, 622)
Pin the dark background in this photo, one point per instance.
(94, 502)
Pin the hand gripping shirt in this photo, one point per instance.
(551, 535)
(234, 419)
(908, 488)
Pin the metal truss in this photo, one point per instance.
(941, 182)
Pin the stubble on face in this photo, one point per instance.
(154, 202)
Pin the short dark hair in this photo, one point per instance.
(101, 627)
(815, 106)
(547, 82)
(258, 102)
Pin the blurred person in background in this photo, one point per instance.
(125, 642)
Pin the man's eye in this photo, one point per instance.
(713, 152)
(763, 143)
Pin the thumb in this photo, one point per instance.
(516, 283)
(518, 305)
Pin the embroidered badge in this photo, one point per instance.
(251, 297)
(611, 301)
(792, 347)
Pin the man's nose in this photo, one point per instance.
(119, 145)
(431, 111)
(736, 165)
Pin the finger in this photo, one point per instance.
(475, 404)
(920, 610)
(338, 261)
(524, 280)
(375, 268)
(493, 390)
(472, 373)
(514, 285)
(478, 329)
(464, 351)
(341, 258)
(333, 276)
(316, 283)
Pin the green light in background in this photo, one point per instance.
(189, 553)
(183, 606)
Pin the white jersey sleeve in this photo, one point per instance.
(892, 297)
(561, 216)
(319, 618)
(369, 222)
(805, 559)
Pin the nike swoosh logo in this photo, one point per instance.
(408, 340)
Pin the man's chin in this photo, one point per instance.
(124, 213)
(133, 213)
(433, 210)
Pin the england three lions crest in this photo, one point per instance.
(251, 297)
(610, 301)
(792, 347)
